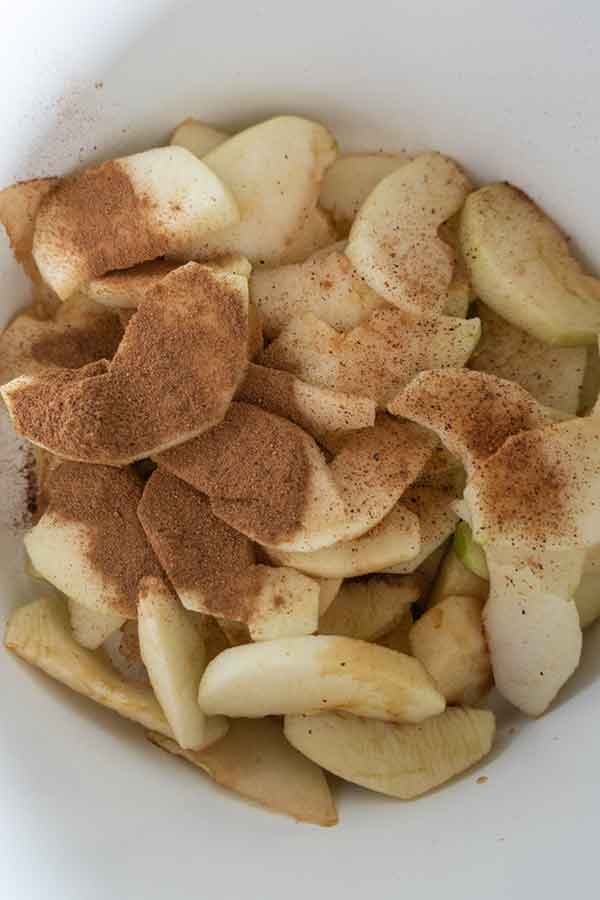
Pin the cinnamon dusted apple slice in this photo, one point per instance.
(394, 242)
(19, 205)
(315, 409)
(40, 634)
(370, 608)
(125, 289)
(268, 479)
(326, 285)
(127, 211)
(186, 344)
(375, 359)
(89, 543)
(318, 673)
(255, 761)
(394, 540)
(472, 412)
(434, 509)
(212, 567)
(349, 181)
(274, 170)
(80, 333)
(197, 137)
(175, 657)
(313, 235)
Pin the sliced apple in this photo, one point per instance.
(123, 649)
(397, 639)
(75, 546)
(197, 137)
(394, 242)
(553, 375)
(186, 342)
(473, 413)
(587, 599)
(274, 170)
(590, 387)
(313, 235)
(394, 540)
(460, 289)
(375, 359)
(317, 673)
(454, 578)
(370, 608)
(325, 285)
(402, 761)
(449, 640)
(469, 552)
(174, 655)
(434, 508)
(255, 760)
(329, 588)
(41, 635)
(91, 627)
(81, 332)
(315, 409)
(349, 181)
(522, 267)
(126, 289)
(19, 205)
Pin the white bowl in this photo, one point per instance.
(88, 809)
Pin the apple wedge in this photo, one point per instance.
(255, 761)
(40, 634)
(186, 343)
(316, 673)
(174, 655)
(329, 588)
(394, 540)
(454, 578)
(126, 211)
(126, 288)
(315, 409)
(197, 137)
(80, 333)
(469, 552)
(434, 508)
(19, 205)
(376, 359)
(349, 181)
(553, 375)
(398, 638)
(123, 649)
(325, 285)
(522, 267)
(460, 289)
(402, 761)
(274, 170)
(89, 543)
(313, 236)
(587, 599)
(370, 608)
(394, 241)
(590, 387)
(449, 640)
(91, 627)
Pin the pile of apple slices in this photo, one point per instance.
(335, 405)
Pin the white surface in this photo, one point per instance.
(88, 810)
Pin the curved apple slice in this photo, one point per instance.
(160, 202)
(453, 578)
(522, 267)
(316, 673)
(349, 181)
(367, 610)
(91, 627)
(434, 509)
(19, 205)
(274, 170)
(197, 137)
(313, 235)
(173, 652)
(402, 761)
(394, 242)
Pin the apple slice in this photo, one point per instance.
(313, 236)
(19, 205)
(160, 202)
(522, 267)
(402, 761)
(590, 387)
(126, 288)
(91, 627)
(89, 543)
(123, 649)
(469, 552)
(434, 508)
(315, 409)
(587, 599)
(40, 634)
(329, 588)
(255, 761)
(325, 284)
(460, 289)
(370, 608)
(81, 332)
(375, 359)
(197, 137)
(173, 653)
(397, 639)
(394, 540)
(186, 343)
(454, 578)
(394, 242)
(349, 181)
(449, 640)
(553, 375)
(274, 170)
(317, 673)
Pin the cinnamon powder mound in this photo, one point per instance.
(104, 502)
(179, 364)
(254, 468)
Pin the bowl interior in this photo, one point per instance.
(89, 809)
